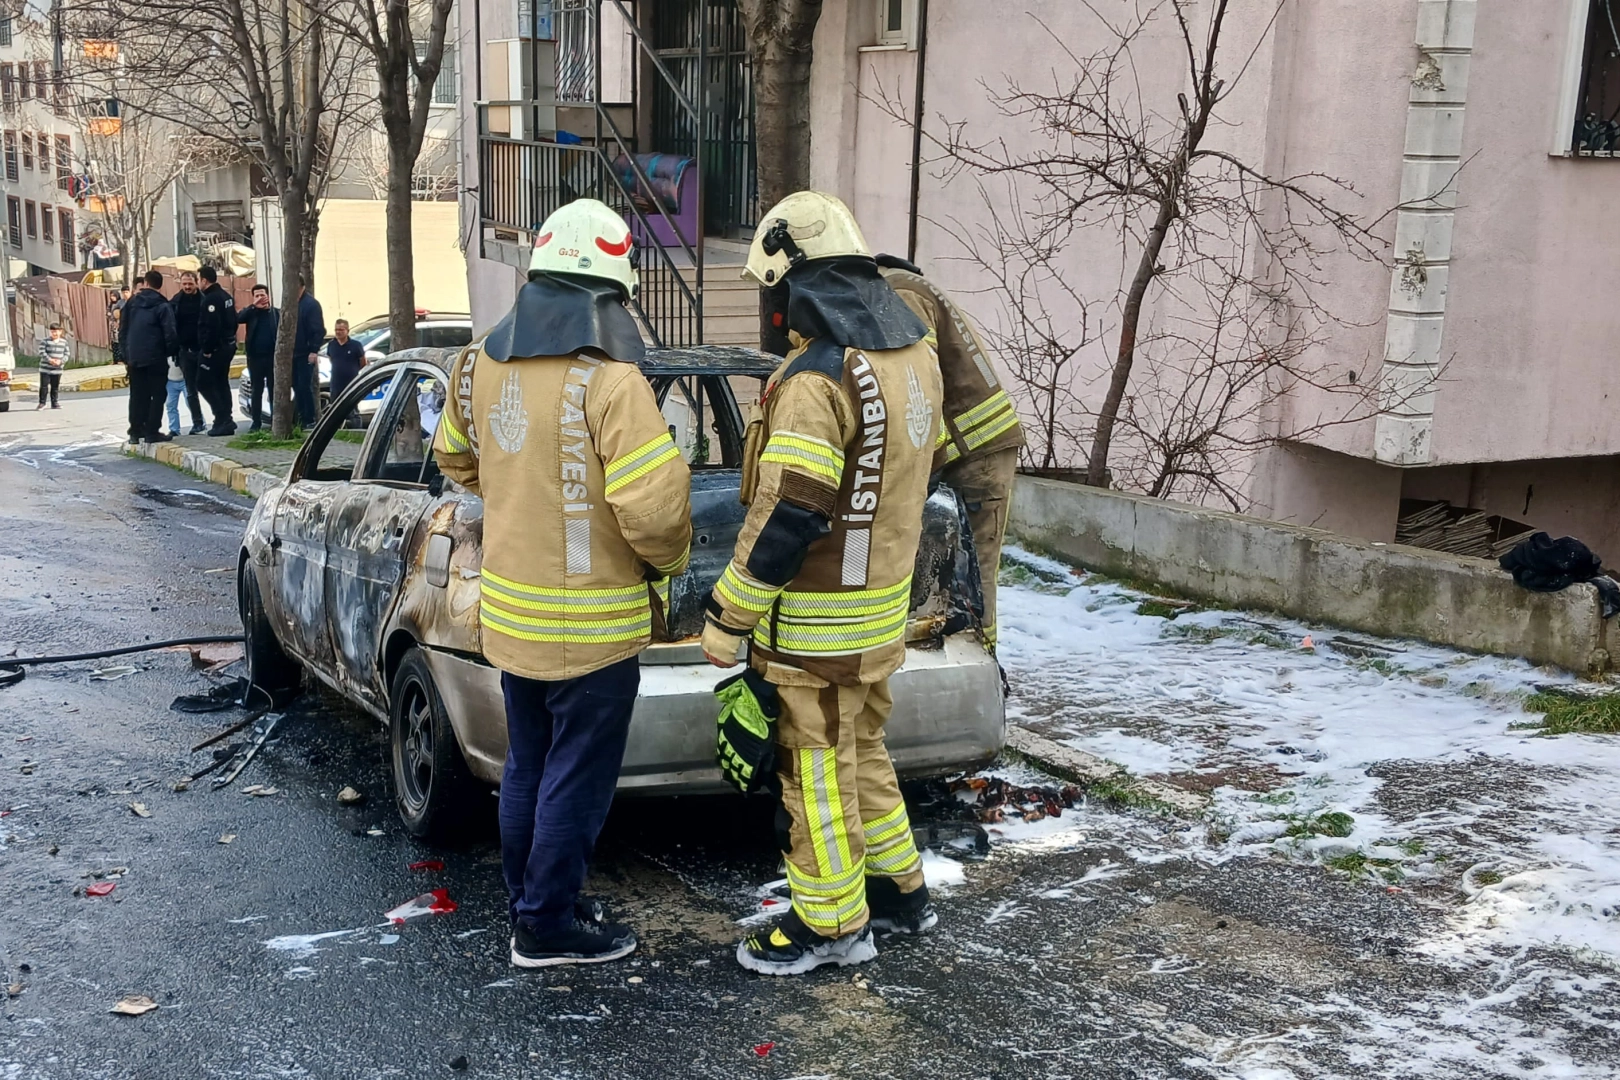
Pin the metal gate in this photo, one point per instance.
(731, 190)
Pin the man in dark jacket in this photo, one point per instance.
(306, 353)
(146, 339)
(216, 340)
(261, 321)
(187, 304)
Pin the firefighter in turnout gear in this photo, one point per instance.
(835, 476)
(978, 446)
(587, 517)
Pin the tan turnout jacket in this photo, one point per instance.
(844, 437)
(586, 503)
(979, 416)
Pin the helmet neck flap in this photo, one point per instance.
(559, 315)
(846, 300)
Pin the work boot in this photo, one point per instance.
(227, 427)
(792, 948)
(582, 943)
(161, 437)
(895, 912)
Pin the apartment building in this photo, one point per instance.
(43, 153)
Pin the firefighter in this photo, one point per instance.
(978, 451)
(835, 476)
(587, 517)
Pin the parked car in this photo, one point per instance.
(434, 330)
(362, 569)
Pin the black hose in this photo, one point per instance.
(30, 661)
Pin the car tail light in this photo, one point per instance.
(5, 376)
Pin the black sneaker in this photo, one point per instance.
(196, 429)
(161, 437)
(792, 948)
(895, 912)
(222, 429)
(583, 943)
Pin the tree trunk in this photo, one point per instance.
(401, 259)
(294, 226)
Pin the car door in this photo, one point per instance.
(371, 527)
(318, 484)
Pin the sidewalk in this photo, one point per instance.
(91, 379)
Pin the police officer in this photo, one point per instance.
(978, 451)
(587, 516)
(216, 344)
(835, 476)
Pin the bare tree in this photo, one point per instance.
(261, 76)
(1220, 307)
(404, 41)
(435, 177)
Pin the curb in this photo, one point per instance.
(242, 479)
(103, 382)
(1108, 780)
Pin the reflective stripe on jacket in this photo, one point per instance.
(979, 415)
(586, 503)
(837, 477)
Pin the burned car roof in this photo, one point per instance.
(686, 360)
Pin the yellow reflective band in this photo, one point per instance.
(587, 633)
(989, 431)
(952, 453)
(824, 810)
(828, 916)
(944, 437)
(896, 862)
(830, 886)
(982, 411)
(454, 442)
(879, 824)
(932, 338)
(830, 639)
(743, 592)
(815, 807)
(797, 605)
(540, 598)
(662, 589)
(678, 566)
(640, 461)
(804, 452)
(879, 837)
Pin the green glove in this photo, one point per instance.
(745, 743)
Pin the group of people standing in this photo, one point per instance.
(587, 518)
(183, 347)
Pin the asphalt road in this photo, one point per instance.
(1090, 950)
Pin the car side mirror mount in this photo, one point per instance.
(436, 485)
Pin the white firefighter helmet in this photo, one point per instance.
(586, 238)
(804, 226)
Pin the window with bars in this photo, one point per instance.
(5, 30)
(47, 224)
(42, 80)
(27, 150)
(64, 223)
(1597, 108)
(8, 83)
(14, 220)
(445, 86)
(575, 25)
(11, 155)
(31, 218)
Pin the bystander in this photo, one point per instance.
(53, 357)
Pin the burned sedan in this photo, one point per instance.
(363, 570)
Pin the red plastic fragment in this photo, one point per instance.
(764, 1049)
(437, 902)
(100, 888)
(428, 864)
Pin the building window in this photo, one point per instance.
(1597, 106)
(11, 155)
(31, 216)
(444, 87)
(28, 150)
(14, 221)
(42, 80)
(64, 161)
(5, 30)
(25, 85)
(8, 83)
(64, 224)
(47, 224)
(895, 21)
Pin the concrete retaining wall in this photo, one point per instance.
(1310, 574)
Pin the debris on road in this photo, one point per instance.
(434, 865)
(350, 797)
(134, 1005)
(252, 718)
(15, 990)
(181, 785)
(226, 696)
(992, 799)
(459, 1063)
(117, 671)
(437, 902)
(261, 790)
(27, 768)
(258, 744)
(214, 656)
(764, 1049)
(100, 888)
(139, 809)
(227, 838)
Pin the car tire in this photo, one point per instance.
(269, 668)
(433, 790)
(5, 406)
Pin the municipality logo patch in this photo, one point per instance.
(919, 411)
(508, 421)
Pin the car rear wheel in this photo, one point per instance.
(433, 790)
(269, 668)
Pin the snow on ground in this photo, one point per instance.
(1401, 763)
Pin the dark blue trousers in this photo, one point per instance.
(304, 391)
(565, 743)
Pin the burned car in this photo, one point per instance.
(363, 570)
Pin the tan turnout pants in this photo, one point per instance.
(839, 788)
(985, 484)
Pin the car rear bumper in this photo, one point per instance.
(948, 717)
